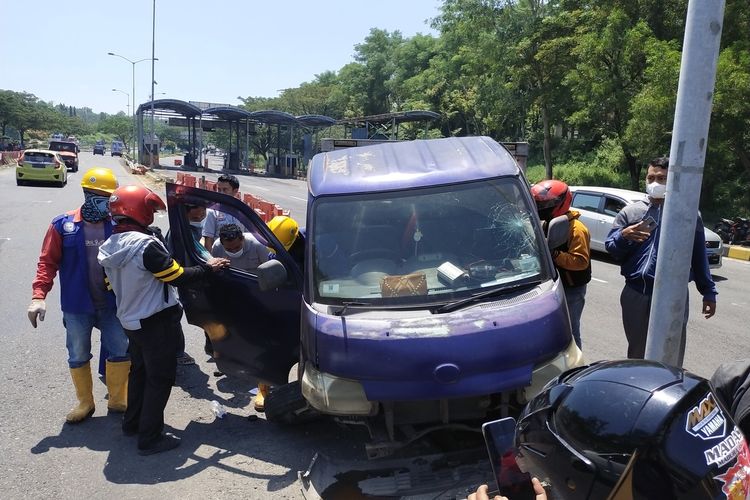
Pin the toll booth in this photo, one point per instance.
(385, 127)
(175, 113)
(240, 124)
(311, 126)
(278, 164)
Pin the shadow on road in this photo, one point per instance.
(232, 444)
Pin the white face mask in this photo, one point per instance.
(656, 190)
(196, 223)
(234, 255)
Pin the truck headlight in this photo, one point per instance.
(544, 372)
(334, 395)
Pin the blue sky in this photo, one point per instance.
(208, 51)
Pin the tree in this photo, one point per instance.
(118, 125)
(10, 108)
(609, 74)
(376, 55)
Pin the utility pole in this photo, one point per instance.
(686, 160)
(153, 62)
(136, 153)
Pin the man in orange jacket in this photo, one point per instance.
(573, 258)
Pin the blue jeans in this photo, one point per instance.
(78, 336)
(576, 299)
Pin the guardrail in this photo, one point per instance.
(266, 210)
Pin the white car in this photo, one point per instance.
(600, 205)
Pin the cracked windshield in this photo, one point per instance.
(379, 247)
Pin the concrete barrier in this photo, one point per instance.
(7, 157)
(738, 252)
(265, 209)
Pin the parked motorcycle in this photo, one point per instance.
(724, 229)
(734, 231)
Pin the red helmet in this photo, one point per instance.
(552, 195)
(135, 202)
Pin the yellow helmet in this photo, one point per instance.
(99, 179)
(285, 229)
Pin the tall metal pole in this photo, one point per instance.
(153, 62)
(133, 63)
(133, 146)
(687, 156)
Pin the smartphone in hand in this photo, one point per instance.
(499, 436)
(648, 224)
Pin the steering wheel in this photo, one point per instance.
(375, 253)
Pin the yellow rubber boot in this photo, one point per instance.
(260, 398)
(117, 385)
(84, 392)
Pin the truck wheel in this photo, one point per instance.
(286, 405)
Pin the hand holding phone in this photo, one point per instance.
(499, 436)
(647, 225)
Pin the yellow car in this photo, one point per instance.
(41, 165)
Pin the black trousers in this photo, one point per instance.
(636, 309)
(152, 374)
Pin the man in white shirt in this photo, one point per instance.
(226, 184)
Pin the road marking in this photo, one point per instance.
(41, 201)
(262, 189)
(300, 199)
(600, 281)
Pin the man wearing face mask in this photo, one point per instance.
(71, 246)
(634, 242)
(242, 249)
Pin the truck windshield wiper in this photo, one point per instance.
(345, 306)
(478, 297)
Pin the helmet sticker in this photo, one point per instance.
(92, 179)
(737, 479)
(724, 452)
(706, 420)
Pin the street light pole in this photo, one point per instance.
(153, 50)
(133, 63)
(118, 90)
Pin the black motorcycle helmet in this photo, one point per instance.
(632, 429)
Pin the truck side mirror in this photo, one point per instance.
(271, 275)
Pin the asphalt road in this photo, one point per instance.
(233, 457)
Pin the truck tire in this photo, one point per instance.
(286, 405)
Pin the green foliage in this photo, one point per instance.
(581, 173)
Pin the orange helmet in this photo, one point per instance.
(135, 202)
(552, 195)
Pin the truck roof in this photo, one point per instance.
(401, 165)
